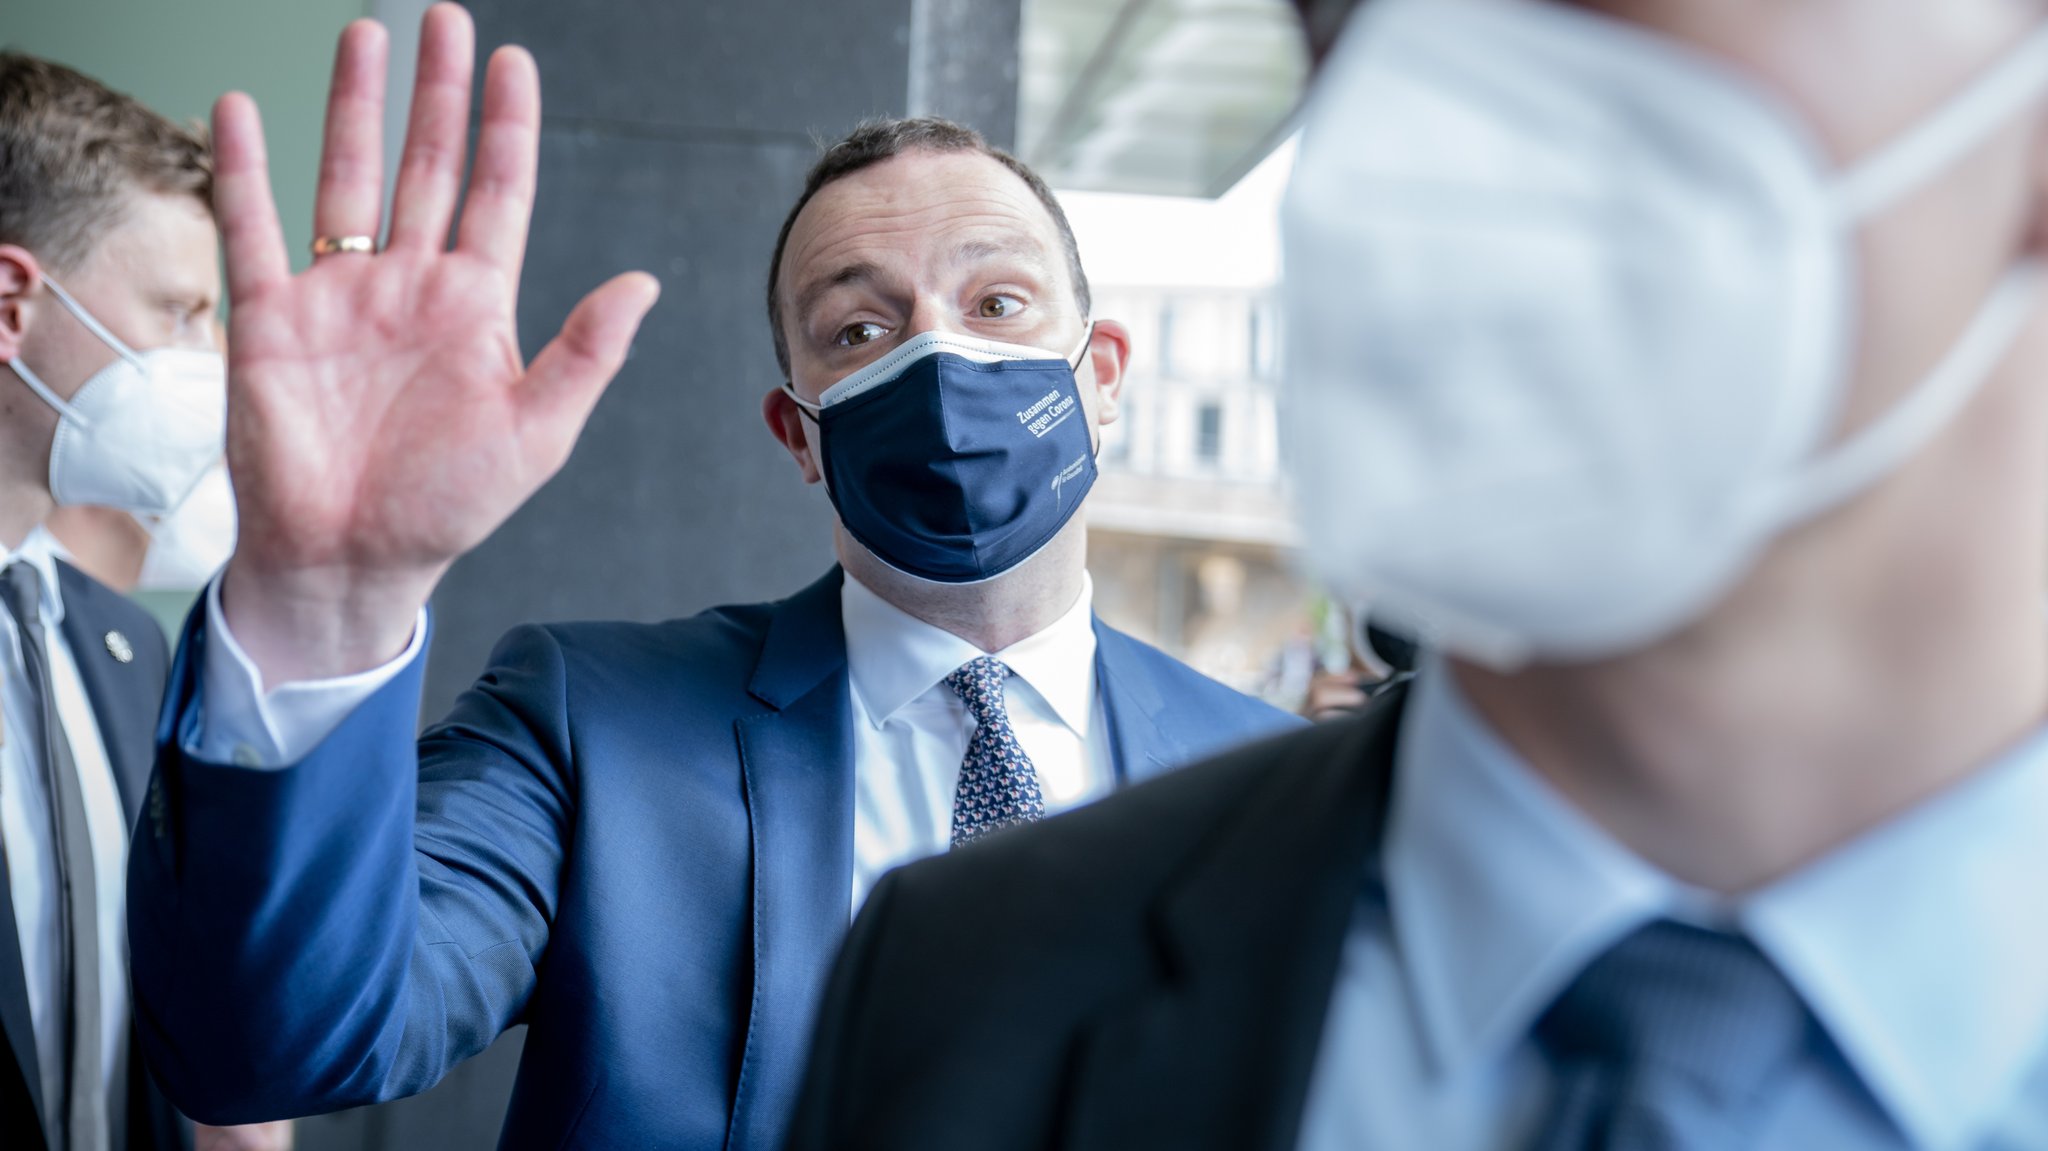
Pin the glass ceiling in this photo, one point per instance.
(1174, 97)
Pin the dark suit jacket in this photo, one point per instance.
(1148, 972)
(124, 699)
(637, 839)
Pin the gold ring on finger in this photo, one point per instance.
(336, 245)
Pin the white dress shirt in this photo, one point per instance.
(910, 730)
(1921, 947)
(25, 828)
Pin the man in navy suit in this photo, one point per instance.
(111, 395)
(645, 842)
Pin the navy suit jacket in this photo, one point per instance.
(637, 839)
(124, 694)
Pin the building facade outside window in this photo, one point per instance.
(1192, 539)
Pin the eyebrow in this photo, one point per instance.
(863, 271)
(807, 300)
(196, 299)
(971, 250)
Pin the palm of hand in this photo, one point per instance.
(378, 417)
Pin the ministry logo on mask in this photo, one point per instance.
(1070, 472)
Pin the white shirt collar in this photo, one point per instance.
(893, 657)
(1919, 946)
(40, 551)
(1922, 946)
(1500, 891)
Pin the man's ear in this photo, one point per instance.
(786, 422)
(1109, 353)
(20, 278)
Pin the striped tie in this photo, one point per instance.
(73, 1094)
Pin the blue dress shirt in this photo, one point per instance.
(1921, 947)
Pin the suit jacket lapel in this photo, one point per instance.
(1131, 703)
(1218, 1053)
(14, 1016)
(797, 758)
(118, 692)
(115, 689)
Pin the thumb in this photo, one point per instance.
(565, 379)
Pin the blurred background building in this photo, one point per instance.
(675, 135)
(1191, 538)
(1162, 123)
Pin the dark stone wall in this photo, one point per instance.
(676, 136)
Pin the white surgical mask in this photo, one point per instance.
(1572, 314)
(194, 541)
(139, 434)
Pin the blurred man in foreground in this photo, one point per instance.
(1678, 370)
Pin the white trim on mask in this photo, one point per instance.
(932, 343)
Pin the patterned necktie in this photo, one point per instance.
(1674, 1040)
(72, 1091)
(998, 786)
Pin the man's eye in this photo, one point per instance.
(997, 307)
(854, 334)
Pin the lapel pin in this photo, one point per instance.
(119, 648)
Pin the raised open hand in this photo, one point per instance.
(380, 420)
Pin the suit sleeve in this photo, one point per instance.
(244, 725)
(344, 930)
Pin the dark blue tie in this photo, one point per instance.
(73, 1088)
(1676, 1039)
(998, 786)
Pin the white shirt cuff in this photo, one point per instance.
(241, 724)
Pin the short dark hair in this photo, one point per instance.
(73, 149)
(876, 140)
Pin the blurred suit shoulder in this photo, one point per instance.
(1111, 977)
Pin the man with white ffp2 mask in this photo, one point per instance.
(1676, 366)
(112, 394)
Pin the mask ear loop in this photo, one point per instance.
(802, 405)
(1928, 150)
(78, 312)
(1081, 352)
(43, 393)
(1938, 143)
(1872, 452)
(1074, 365)
(35, 383)
(91, 324)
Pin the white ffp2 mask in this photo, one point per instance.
(139, 434)
(192, 543)
(1571, 311)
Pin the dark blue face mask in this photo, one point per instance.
(953, 458)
